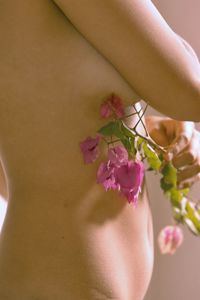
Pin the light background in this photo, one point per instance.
(176, 277)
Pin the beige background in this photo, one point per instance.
(176, 277)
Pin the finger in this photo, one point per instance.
(184, 135)
(189, 182)
(184, 159)
(188, 172)
(156, 129)
(190, 154)
(159, 136)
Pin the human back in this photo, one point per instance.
(63, 235)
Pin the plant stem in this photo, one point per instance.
(140, 119)
(151, 142)
(132, 114)
(134, 129)
(112, 142)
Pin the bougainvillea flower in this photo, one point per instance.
(169, 239)
(113, 104)
(129, 177)
(105, 175)
(105, 110)
(118, 155)
(90, 149)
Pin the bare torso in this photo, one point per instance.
(64, 237)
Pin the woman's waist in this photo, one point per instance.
(37, 219)
(90, 245)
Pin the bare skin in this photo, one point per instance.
(137, 40)
(63, 237)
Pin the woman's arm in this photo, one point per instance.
(139, 43)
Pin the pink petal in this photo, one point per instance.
(89, 148)
(129, 177)
(113, 104)
(117, 105)
(105, 175)
(118, 155)
(105, 110)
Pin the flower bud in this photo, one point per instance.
(169, 239)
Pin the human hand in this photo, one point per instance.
(182, 142)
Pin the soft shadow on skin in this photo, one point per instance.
(108, 205)
(105, 208)
(99, 295)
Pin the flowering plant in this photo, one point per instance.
(124, 168)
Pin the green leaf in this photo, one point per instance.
(150, 169)
(112, 128)
(161, 157)
(170, 174)
(187, 213)
(178, 217)
(194, 217)
(120, 130)
(139, 141)
(185, 191)
(128, 143)
(176, 197)
(108, 129)
(191, 226)
(126, 130)
(164, 185)
(152, 157)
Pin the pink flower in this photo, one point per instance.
(105, 175)
(113, 104)
(129, 177)
(118, 155)
(169, 239)
(90, 149)
(105, 110)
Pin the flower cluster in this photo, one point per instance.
(123, 170)
(117, 172)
